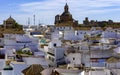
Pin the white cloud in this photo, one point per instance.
(79, 8)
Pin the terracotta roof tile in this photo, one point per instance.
(34, 69)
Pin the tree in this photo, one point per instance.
(15, 25)
(104, 24)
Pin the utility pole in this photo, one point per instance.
(34, 19)
(28, 21)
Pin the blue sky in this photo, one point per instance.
(45, 10)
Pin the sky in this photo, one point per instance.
(45, 10)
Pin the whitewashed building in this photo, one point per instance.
(36, 60)
(74, 60)
(17, 42)
(18, 67)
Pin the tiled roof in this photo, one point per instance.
(112, 60)
(34, 69)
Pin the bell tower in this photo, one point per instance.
(66, 8)
(65, 19)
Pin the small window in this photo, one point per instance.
(73, 58)
(60, 27)
(77, 33)
(54, 44)
(52, 59)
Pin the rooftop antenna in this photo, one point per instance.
(34, 19)
(39, 22)
(29, 22)
(26, 22)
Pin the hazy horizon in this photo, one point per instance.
(45, 10)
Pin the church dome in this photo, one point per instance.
(66, 11)
(66, 16)
(10, 19)
(65, 19)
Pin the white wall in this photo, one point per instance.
(46, 49)
(2, 63)
(10, 41)
(69, 35)
(7, 72)
(18, 68)
(1, 41)
(99, 72)
(59, 53)
(55, 35)
(55, 41)
(64, 28)
(36, 60)
(113, 65)
(74, 58)
(109, 34)
(75, 35)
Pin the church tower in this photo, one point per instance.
(66, 8)
(65, 19)
(9, 22)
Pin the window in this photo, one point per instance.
(77, 33)
(73, 58)
(52, 59)
(60, 27)
(54, 44)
